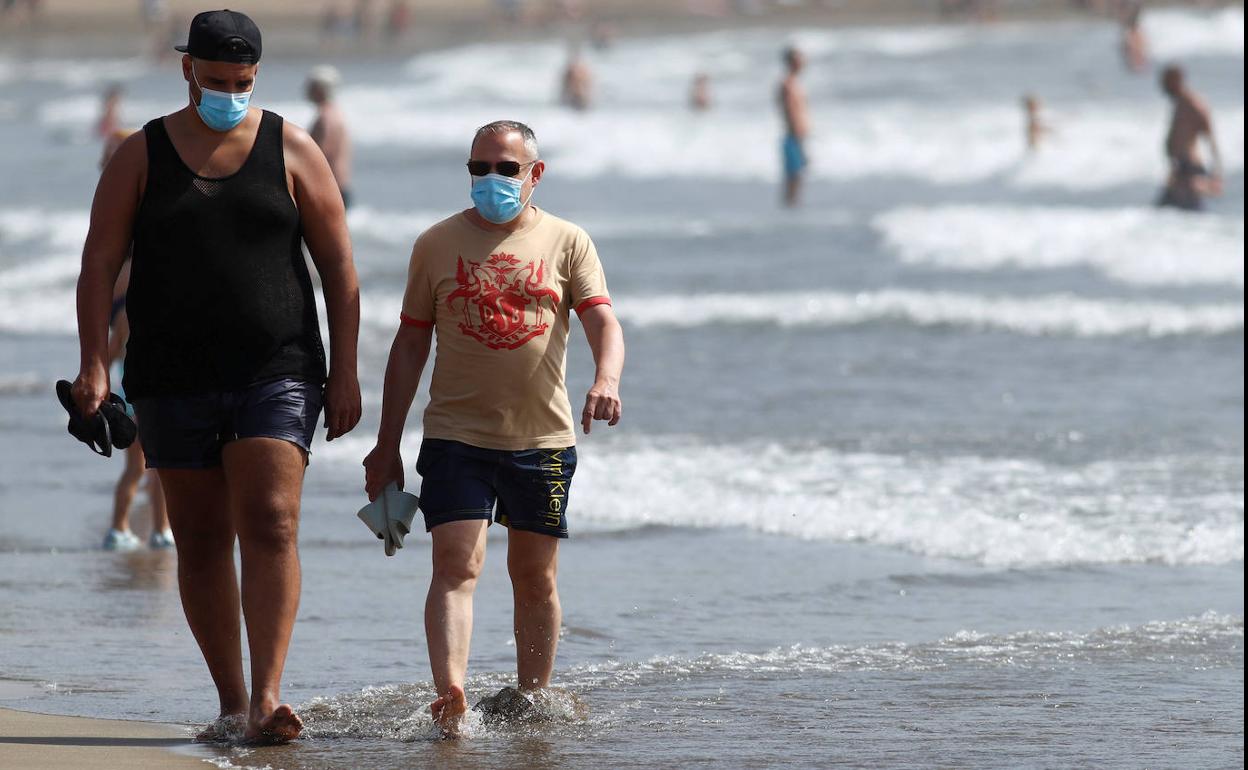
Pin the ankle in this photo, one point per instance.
(263, 703)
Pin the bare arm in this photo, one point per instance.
(606, 340)
(325, 231)
(1206, 121)
(408, 355)
(108, 242)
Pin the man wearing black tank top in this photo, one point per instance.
(225, 365)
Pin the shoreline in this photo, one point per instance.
(295, 27)
(32, 740)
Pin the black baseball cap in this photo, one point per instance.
(227, 36)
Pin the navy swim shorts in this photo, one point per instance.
(189, 431)
(525, 490)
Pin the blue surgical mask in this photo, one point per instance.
(219, 110)
(497, 197)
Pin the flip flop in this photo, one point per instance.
(95, 433)
(111, 426)
(390, 516)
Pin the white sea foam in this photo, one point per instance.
(70, 72)
(1140, 246)
(940, 135)
(1001, 512)
(1054, 314)
(1189, 636)
(400, 711)
(1176, 34)
(400, 229)
(49, 229)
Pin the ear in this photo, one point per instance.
(186, 67)
(539, 168)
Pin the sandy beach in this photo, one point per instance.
(42, 742)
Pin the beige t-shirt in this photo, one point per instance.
(499, 304)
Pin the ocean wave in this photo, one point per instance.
(1176, 33)
(437, 99)
(1136, 246)
(1054, 314)
(399, 229)
(400, 712)
(999, 512)
(75, 73)
(1046, 315)
(1140, 246)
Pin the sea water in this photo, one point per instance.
(944, 468)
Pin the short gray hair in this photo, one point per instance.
(506, 127)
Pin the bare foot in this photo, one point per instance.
(283, 725)
(224, 729)
(448, 711)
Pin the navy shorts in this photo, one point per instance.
(529, 488)
(189, 431)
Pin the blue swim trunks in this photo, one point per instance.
(794, 156)
(190, 431)
(525, 490)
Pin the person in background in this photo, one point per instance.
(1033, 116)
(1190, 180)
(578, 82)
(109, 123)
(700, 93)
(1134, 42)
(329, 129)
(398, 20)
(120, 537)
(796, 115)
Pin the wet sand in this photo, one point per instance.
(42, 742)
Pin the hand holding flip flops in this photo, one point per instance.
(110, 427)
(390, 516)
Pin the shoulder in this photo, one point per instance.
(133, 149)
(559, 227)
(294, 138)
(448, 229)
(127, 164)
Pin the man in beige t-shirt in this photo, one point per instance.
(497, 283)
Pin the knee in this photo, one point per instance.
(203, 549)
(456, 569)
(130, 477)
(532, 582)
(270, 526)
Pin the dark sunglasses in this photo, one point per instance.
(503, 167)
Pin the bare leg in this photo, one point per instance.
(199, 513)
(265, 478)
(792, 190)
(458, 555)
(533, 562)
(156, 496)
(127, 486)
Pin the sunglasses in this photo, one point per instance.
(502, 168)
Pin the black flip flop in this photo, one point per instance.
(111, 426)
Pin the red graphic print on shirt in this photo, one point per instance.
(496, 298)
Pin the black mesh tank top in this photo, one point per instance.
(220, 297)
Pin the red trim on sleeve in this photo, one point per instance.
(592, 302)
(407, 320)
